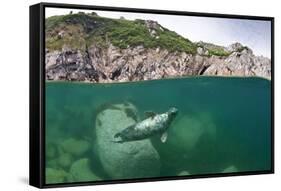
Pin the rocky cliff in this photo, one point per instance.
(87, 47)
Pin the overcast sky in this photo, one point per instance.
(252, 33)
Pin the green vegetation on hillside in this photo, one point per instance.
(84, 29)
(214, 49)
(81, 30)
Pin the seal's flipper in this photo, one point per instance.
(149, 114)
(164, 137)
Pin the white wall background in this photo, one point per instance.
(14, 71)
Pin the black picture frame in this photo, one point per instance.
(37, 93)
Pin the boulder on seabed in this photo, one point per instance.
(185, 133)
(184, 136)
(54, 176)
(183, 173)
(230, 169)
(188, 129)
(80, 171)
(135, 159)
(75, 147)
(51, 151)
(65, 160)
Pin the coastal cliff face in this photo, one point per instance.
(87, 47)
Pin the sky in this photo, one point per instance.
(221, 31)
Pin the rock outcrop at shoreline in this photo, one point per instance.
(80, 48)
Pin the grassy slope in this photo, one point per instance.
(82, 29)
(214, 49)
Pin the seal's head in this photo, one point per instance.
(173, 111)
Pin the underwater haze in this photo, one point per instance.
(223, 126)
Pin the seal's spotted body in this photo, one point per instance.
(155, 124)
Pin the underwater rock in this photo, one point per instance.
(184, 136)
(123, 160)
(53, 163)
(51, 151)
(81, 171)
(230, 169)
(183, 173)
(75, 147)
(55, 176)
(65, 160)
(187, 131)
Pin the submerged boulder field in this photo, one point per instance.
(91, 48)
(136, 159)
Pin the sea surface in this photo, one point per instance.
(223, 125)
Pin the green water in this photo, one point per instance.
(226, 125)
